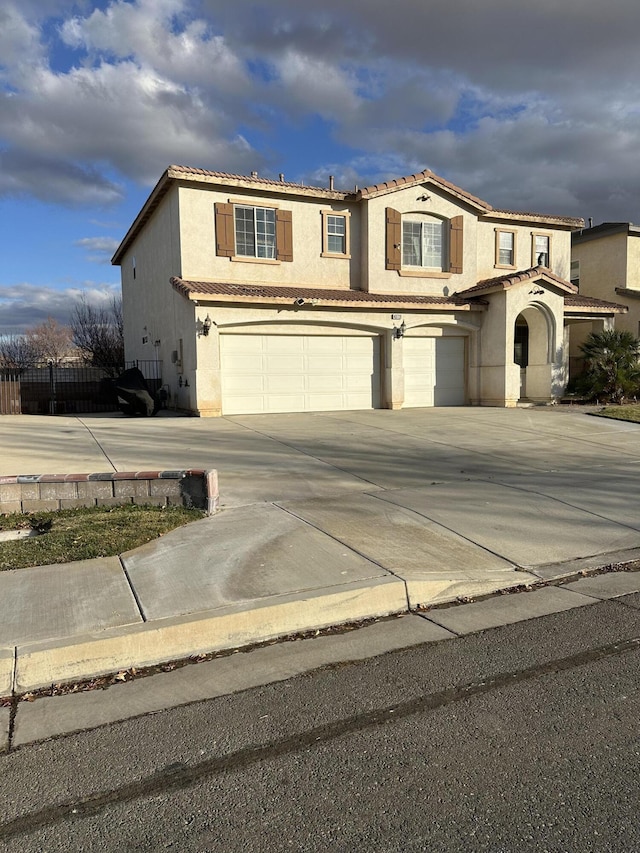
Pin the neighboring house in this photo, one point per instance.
(605, 263)
(270, 296)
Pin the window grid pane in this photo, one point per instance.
(412, 244)
(542, 250)
(336, 235)
(255, 232)
(432, 244)
(505, 254)
(245, 232)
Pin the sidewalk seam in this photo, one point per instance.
(133, 592)
(351, 548)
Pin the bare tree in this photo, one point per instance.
(17, 354)
(98, 334)
(51, 340)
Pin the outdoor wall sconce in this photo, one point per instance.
(398, 331)
(206, 325)
(181, 383)
(536, 291)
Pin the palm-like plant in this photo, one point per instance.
(612, 371)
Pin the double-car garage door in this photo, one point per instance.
(319, 373)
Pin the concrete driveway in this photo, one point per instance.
(325, 518)
(525, 486)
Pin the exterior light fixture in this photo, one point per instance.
(206, 325)
(398, 331)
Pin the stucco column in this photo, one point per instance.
(207, 375)
(393, 384)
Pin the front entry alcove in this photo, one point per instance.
(533, 348)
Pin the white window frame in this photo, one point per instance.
(265, 242)
(500, 261)
(421, 247)
(535, 236)
(327, 216)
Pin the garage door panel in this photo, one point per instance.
(283, 385)
(434, 372)
(296, 373)
(282, 364)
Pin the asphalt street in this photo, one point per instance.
(520, 738)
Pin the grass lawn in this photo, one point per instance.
(630, 412)
(80, 534)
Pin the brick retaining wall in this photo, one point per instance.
(42, 492)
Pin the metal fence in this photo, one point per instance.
(67, 389)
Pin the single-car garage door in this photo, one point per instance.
(299, 373)
(433, 371)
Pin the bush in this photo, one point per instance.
(611, 369)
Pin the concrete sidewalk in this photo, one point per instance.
(326, 520)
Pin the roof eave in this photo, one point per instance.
(155, 197)
(263, 298)
(568, 223)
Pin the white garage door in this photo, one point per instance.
(433, 372)
(299, 373)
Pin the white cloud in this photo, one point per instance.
(99, 249)
(25, 305)
(529, 105)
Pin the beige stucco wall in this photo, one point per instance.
(479, 241)
(152, 309)
(605, 264)
(499, 375)
(199, 259)
(560, 248)
(380, 280)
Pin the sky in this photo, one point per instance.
(532, 107)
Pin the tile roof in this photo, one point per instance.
(484, 206)
(419, 178)
(186, 172)
(251, 292)
(504, 282)
(577, 301)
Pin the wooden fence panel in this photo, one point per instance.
(10, 403)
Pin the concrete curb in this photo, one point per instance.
(35, 665)
(41, 664)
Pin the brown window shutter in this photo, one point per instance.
(455, 245)
(225, 233)
(394, 239)
(284, 235)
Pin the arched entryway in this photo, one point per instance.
(533, 351)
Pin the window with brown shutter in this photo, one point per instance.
(393, 239)
(455, 244)
(260, 234)
(284, 235)
(225, 237)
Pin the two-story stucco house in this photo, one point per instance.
(605, 264)
(270, 296)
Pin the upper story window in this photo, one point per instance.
(505, 248)
(540, 250)
(419, 244)
(575, 273)
(335, 234)
(424, 243)
(253, 233)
